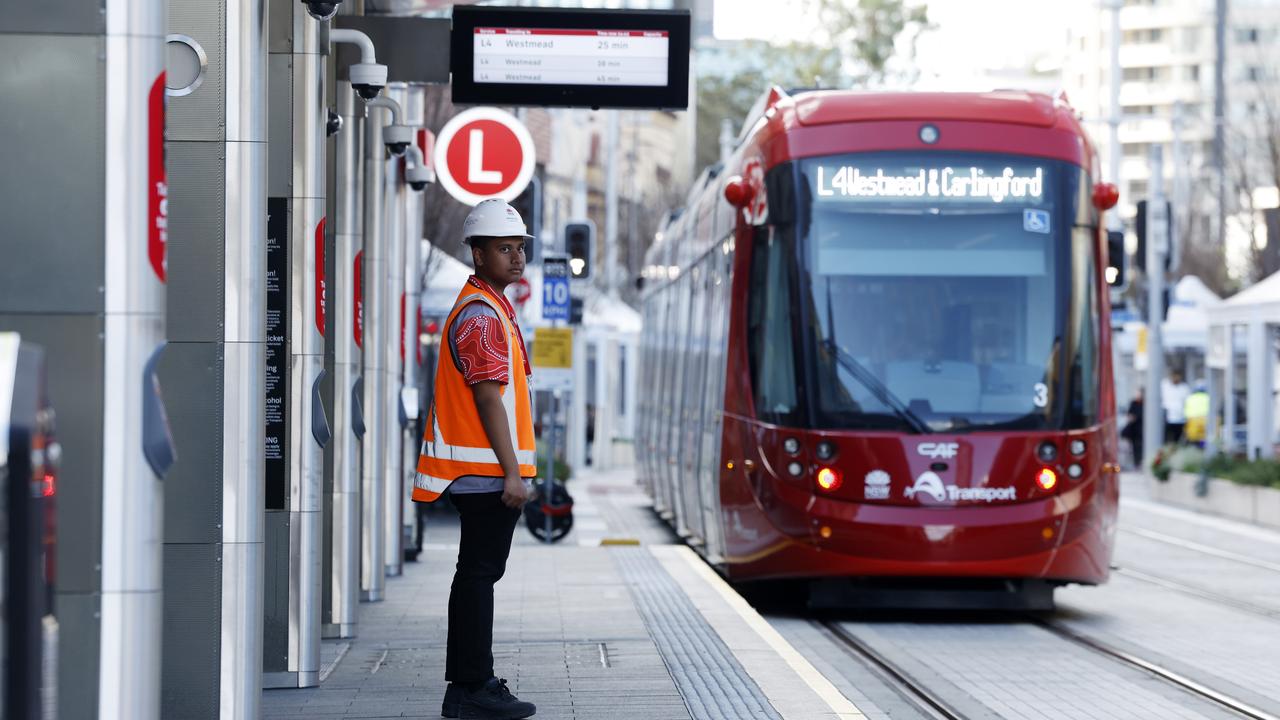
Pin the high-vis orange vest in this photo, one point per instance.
(454, 443)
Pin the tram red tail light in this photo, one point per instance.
(829, 479)
(1047, 479)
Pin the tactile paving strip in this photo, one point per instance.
(711, 680)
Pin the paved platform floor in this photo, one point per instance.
(585, 631)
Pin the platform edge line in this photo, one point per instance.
(843, 708)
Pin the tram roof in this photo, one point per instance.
(822, 107)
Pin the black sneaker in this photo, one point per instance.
(492, 701)
(452, 696)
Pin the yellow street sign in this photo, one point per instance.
(553, 347)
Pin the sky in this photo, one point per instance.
(972, 35)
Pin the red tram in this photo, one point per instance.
(878, 350)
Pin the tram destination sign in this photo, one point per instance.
(999, 184)
(570, 57)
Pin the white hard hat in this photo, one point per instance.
(494, 218)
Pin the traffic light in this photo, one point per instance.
(528, 204)
(1140, 228)
(578, 239)
(1117, 278)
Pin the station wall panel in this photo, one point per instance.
(53, 90)
(200, 115)
(64, 17)
(191, 648)
(192, 377)
(280, 125)
(275, 601)
(196, 246)
(78, 640)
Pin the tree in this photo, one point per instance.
(748, 69)
(867, 32)
(1253, 167)
(857, 40)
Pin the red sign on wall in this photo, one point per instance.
(358, 321)
(157, 180)
(482, 153)
(320, 286)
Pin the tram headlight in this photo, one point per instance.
(1074, 471)
(1078, 447)
(791, 445)
(829, 479)
(795, 468)
(1047, 479)
(826, 450)
(1047, 452)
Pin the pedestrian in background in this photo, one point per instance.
(1132, 430)
(478, 445)
(1173, 398)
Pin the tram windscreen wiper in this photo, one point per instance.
(877, 388)
(868, 378)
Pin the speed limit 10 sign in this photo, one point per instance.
(555, 288)
(482, 153)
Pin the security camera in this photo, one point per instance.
(416, 172)
(368, 79)
(419, 177)
(322, 9)
(397, 138)
(368, 76)
(333, 122)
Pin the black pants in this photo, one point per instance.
(487, 526)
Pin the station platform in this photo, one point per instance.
(618, 620)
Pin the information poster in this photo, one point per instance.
(277, 380)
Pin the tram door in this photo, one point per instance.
(713, 416)
(692, 400)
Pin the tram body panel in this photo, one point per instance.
(997, 339)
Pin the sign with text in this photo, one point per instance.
(483, 153)
(860, 181)
(571, 57)
(555, 288)
(553, 348)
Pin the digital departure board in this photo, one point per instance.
(572, 58)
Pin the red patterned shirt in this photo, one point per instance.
(479, 345)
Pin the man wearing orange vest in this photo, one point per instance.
(478, 446)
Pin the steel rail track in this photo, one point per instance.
(899, 680)
(1198, 592)
(1174, 678)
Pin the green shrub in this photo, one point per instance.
(1264, 473)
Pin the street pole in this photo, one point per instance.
(610, 200)
(1113, 116)
(1157, 239)
(1219, 116)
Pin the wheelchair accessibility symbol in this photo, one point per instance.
(1036, 221)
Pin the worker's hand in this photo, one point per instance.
(514, 492)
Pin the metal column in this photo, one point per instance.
(414, 112)
(373, 370)
(83, 208)
(395, 200)
(342, 581)
(213, 369)
(297, 427)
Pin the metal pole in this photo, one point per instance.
(549, 480)
(414, 111)
(395, 202)
(1219, 115)
(373, 371)
(1157, 239)
(1113, 117)
(611, 201)
(344, 577)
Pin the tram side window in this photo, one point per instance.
(1084, 330)
(771, 344)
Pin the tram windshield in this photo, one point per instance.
(945, 292)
